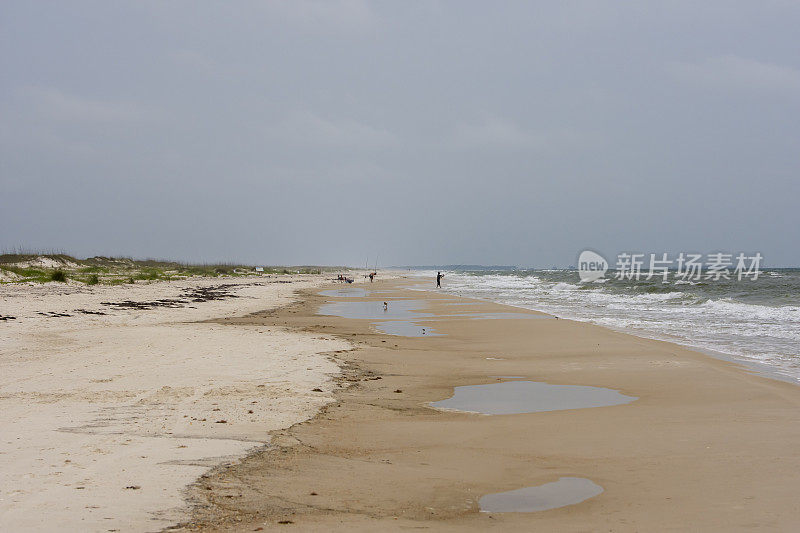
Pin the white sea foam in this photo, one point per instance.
(764, 328)
(761, 312)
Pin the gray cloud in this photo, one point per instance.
(438, 132)
(732, 73)
(53, 104)
(305, 128)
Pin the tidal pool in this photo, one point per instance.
(399, 318)
(516, 397)
(373, 310)
(565, 491)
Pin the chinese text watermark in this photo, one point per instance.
(690, 267)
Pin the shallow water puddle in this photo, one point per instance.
(565, 491)
(373, 310)
(397, 319)
(400, 317)
(401, 309)
(516, 397)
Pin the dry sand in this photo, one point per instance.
(107, 417)
(708, 445)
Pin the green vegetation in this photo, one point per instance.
(149, 274)
(25, 266)
(26, 272)
(20, 255)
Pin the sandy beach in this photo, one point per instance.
(247, 404)
(114, 398)
(697, 444)
(358, 265)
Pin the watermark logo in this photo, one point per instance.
(591, 266)
(688, 267)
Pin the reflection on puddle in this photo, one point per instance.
(397, 310)
(397, 319)
(565, 491)
(515, 397)
(402, 309)
(349, 292)
(400, 317)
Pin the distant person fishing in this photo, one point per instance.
(439, 277)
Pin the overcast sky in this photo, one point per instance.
(418, 132)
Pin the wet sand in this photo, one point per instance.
(707, 445)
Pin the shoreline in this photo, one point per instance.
(744, 360)
(689, 437)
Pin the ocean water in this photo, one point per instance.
(755, 321)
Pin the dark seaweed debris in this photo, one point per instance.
(4, 318)
(196, 294)
(130, 304)
(206, 294)
(86, 312)
(53, 314)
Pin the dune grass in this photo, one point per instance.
(23, 266)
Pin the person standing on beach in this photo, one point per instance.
(439, 277)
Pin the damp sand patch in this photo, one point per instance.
(349, 292)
